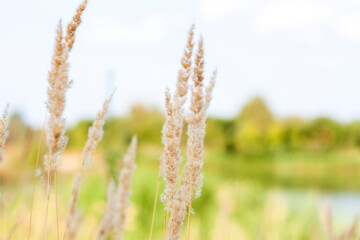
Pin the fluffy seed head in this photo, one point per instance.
(95, 134)
(118, 198)
(3, 132)
(192, 180)
(58, 84)
(172, 129)
(123, 193)
(74, 218)
(73, 25)
(107, 219)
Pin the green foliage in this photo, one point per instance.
(92, 191)
(253, 133)
(79, 134)
(146, 123)
(216, 134)
(253, 164)
(111, 158)
(254, 128)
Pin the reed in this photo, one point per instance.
(74, 218)
(346, 234)
(172, 130)
(95, 135)
(59, 83)
(3, 132)
(114, 218)
(177, 195)
(176, 199)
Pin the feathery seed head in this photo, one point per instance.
(107, 220)
(172, 129)
(191, 183)
(3, 131)
(185, 70)
(209, 89)
(199, 64)
(59, 83)
(74, 218)
(73, 25)
(118, 198)
(95, 134)
(123, 192)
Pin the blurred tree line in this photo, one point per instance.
(253, 132)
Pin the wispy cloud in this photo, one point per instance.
(287, 15)
(348, 27)
(151, 29)
(300, 20)
(214, 11)
(307, 20)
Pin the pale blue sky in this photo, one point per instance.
(302, 56)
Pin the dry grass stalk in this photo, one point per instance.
(95, 134)
(209, 90)
(173, 126)
(192, 181)
(72, 223)
(350, 233)
(59, 83)
(347, 234)
(154, 209)
(3, 132)
(196, 129)
(118, 198)
(37, 173)
(94, 137)
(124, 190)
(107, 219)
(73, 25)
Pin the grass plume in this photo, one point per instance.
(118, 198)
(191, 183)
(4, 132)
(73, 220)
(73, 25)
(95, 134)
(347, 234)
(172, 130)
(94, 137)
(58, 80)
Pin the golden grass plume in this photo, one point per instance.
(4, 132)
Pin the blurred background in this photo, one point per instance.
(283, 132)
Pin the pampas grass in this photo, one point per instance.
(118, 198)
(181, 187)
(347, 234)
(107, 220)
(59, 83)
(176, 199)
(3, 132)
(170, 158)
(73, 221)
(177, 194)
(123, 193)
(58, 80)
(95, 134)
(73, 25)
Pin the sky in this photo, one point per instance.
(301, 56)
